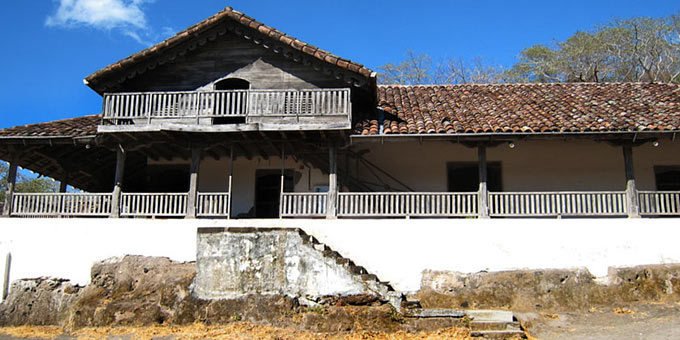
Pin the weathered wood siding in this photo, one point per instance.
(230, 56)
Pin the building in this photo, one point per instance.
(233, 119)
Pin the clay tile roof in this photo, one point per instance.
(72, 127)
(526, 108)
(228, 14)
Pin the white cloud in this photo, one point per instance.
(126, 15)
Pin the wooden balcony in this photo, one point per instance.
(356, 204)
(232, 109)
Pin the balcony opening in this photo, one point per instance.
(236, 103)
(667, 178)
(268, 191)
(464, 176)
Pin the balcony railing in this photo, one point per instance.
(585, 203)
(355, 204)
(659, 203)
(61, 204)
(407, 204)
(202, 107)
(303, 204)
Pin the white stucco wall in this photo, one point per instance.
(530, 166)
(396, 250)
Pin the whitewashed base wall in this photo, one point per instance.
(396, 250)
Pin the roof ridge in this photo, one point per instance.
(244, 20)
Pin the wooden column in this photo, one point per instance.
(632, 202)
(63, 183)
(192, 199)
(283, 182)
(231, 174)
(11, 183)
(332, 199)
(483, 193)
(118, 182)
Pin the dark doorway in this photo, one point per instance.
(167, 178)
(232, 84)
(268, 191)
(464, 177)
(667, 178)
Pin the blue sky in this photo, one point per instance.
(50, 46)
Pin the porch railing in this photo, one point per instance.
(213, 204)
(399, 204)
(584, 203)
(120, 108)
(61, 204)
(354, 204)
(303, 204)
(153, 204)
(659, 203)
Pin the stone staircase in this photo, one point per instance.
(382, 289)
(488, 324)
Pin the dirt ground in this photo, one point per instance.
(237, 330)
(640, 321)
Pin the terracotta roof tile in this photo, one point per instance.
(228, 14)
(72, 127)
(528, 108)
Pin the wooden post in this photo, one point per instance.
(231, 174)
(332, 199)
(11, 183)
(283, 165)
(483, 193)
(5, 279)
(118, 182)
(63, 183)
(632, 202)
(192, 199)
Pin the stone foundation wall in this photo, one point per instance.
(234, 262)
(554, 289)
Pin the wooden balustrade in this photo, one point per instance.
(406, 204)
(303, 204)
(354, 204)
(61, 204)
(213, 204)
(121, 108)
(153, 204)
(585, 203)
(659, 203)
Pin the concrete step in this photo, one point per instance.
(490, 315)
(503, 334)
(436, 313)
(369, 277)
(494, 326)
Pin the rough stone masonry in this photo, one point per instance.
(235, 262)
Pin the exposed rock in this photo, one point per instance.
(40, 301)
(143, 291)
(529, 290)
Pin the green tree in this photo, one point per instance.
(25, 183)
(635, 50)
(639, 49)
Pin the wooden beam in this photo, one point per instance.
(192, 199)
(11, 183)
(483, 193)
(118, 182)
(632, 201)
(331, 202)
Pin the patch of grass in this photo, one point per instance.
(236, 331)
(623, 311)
